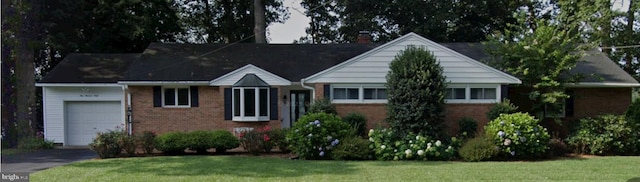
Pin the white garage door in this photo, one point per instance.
(85, 119)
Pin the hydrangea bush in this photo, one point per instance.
(315, 135)
(518, 135)
(388, 146)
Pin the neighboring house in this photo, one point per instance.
(236, 87)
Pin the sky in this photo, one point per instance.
(293, 28)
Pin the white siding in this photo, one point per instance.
(373, 66)
(54, 99)
(234, 76)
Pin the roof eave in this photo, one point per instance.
(601, 84)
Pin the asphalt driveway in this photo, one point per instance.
(43, 159)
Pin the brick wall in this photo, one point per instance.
(596, 101)
(376, 114)
(208, 116)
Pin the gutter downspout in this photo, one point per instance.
(129, 111)
(313, 90)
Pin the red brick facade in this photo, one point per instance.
(210, 113)
(590, 102)
(376, 113)
(208, 116)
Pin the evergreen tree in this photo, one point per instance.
(416, 90)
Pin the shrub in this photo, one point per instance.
(467, 127)
(256, 141)
(35, 142)
(200, 141)
(388, 145)
(605, 135)
(129, 145)
(224, 140)
(557, 147)
(416, 91)
(172, 142)
(478, 149)
(518, 135)
(633, 114)
(147, 141)
(315, 135)
(279, 139)
(358, 122)
(322, 106)
(108, 144)
(352, 148)
(504, 107)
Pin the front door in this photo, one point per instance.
(300, 100)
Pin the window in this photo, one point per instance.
(375, 93)
(472, 93)
(346, 93)
(354, 93)
(483, 93)
(456, 93)
(251, 104)
(176, 97)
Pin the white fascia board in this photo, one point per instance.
(150, 83)
(278, 81)
(78, 85)
(600, 84)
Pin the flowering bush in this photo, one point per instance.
(279, 139)
(256, 141)
(315, 135)
(518, 135)
(387, 146)
(108, 144)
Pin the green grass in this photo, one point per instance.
(237, 168)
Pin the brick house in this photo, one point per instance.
(183, 87)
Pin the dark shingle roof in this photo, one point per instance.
(90, 68)
(595, 66)
(205, 62)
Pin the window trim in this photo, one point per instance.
(257, 104)
(468, 100)
(361, 99)
(175, 88)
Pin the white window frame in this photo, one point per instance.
(360, 99)
(242, 116)
(175, 88)
(468, 100)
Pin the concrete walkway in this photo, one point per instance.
(43, 159)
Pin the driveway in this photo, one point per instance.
(43, 159)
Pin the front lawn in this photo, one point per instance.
(238, 168)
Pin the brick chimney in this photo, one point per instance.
(364, 37)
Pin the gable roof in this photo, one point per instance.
(373, 66)
(239, 74)
(205, 62)
(598, 69)
(90, 68)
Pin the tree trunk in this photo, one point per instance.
(25, 69)
(628, 58)
(260, 25)
(8, 81)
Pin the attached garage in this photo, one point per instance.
(85, 118)
(74, 114)
(81, 97)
